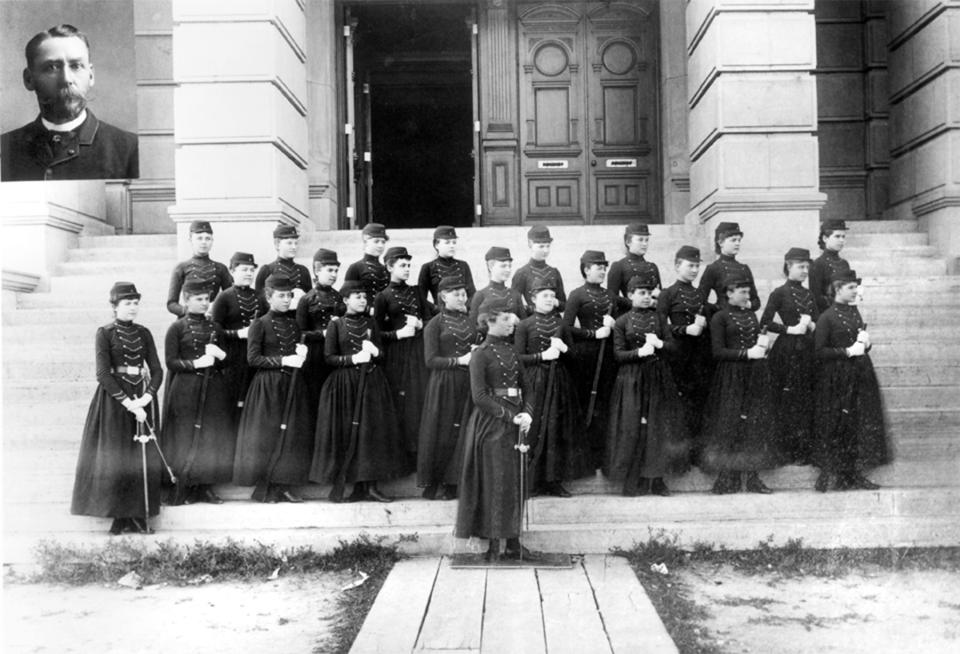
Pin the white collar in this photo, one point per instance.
(65, 127)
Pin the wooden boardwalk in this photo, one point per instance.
(597, 606)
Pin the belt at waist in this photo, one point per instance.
(126, 370)
(507, 392)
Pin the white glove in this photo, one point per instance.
(694, 329)
(550, 354)
(464, 360)
(139, 414)
(805, 319)
(608, 321)
(407, 331)
(797, 330)
(856, 350)
(763, 341)
(129, 404)
(369, 348)
(301, 350)
(645, 350)
(558, 344)
(203, 362)
(416, 322)
(242, 333)
(863, 337)
(143, 400)
(756, 352)
(361, 357)
(700, 320)
(292, 361)
(654, 340)
(523, 420)
(812, 326)
(214, 351)
(603, 332)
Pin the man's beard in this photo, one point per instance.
(67, 105)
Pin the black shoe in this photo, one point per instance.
(824, 481)
(659, 487)
(286, 495)
(755, 485)
(556, 489)
(376, 495)
(140, 525)
(726, 484)
(492, 555)
(117, 526)
(861, 482)
(517, 552)
(844, 482)
(210, 497)
(360, 493)
(430, 492)
(449, 492)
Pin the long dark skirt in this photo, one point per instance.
(849, 424)
(378, 452)
(740, 428)
(237, 375)
(446, 409)
(692, 367)
(489, 490)
(314, 373)
(560, 451)
(210, 459)
(261, 455)
(791, 363)
(583, 366)
(407, 373)
(109, 479)
(647, 432)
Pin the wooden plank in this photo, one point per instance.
(455, 615)
(393, 623)
(512, 618)
(631, 622)
(570, 618)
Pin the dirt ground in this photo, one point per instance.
(288, 615)
(869, 613)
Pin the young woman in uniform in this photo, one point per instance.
(274, 441)
(444, 265)
(358, 440)
(740, 422)
(109, 477)
(489, 490)
(199, 434)
(448, 340)
(647, 430)
(499, 266)
(849, 426)
(286, 241)
(726, 242)
(537, 271)
(560, 450)
(372, 275)
(200, 266)
(636, 240)
(832, 238)
(791, 358)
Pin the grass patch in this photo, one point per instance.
(203, 562)
(684, 617)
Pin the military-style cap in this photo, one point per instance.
(688, 253)
(636, 229)
(279, 282)
(539, 234)
(451, 284)
(542, 284)
(494, 306)
(797, 254)
(285, 231)
(242, 259)
(325, 257)
(123, 291)
(735, 280)
(396, 252)
(591, 257)
(643, 280)
(725, 230)
(200, 227)
(194, 286)
(374, 230)
(834, 224)
(351, 287)
(498, 254)
(445, 232)
(845, 276)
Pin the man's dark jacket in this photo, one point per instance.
(95, 150)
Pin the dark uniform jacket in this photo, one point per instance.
(95, 150)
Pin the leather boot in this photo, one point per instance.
(824, 481)
(449, 492)
(117, 526)
(360, 493)
(375, 493)
(857, 480)
(659, 487)
(755, 485)
(210, 497)
(514, 551)
(430, 492)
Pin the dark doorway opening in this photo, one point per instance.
(414, 105)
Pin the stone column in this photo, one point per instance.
(322, 110)
(240, 122)
(673, 103)
(924, 71)
(753, 122)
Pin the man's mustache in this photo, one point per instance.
(64, 96)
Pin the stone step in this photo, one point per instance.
(111, 254)
(880, 241)
(140, 268)
(881, 226)
(870, 250)
(128, 241)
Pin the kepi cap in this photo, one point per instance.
(539, 234)
(325, 257)
(643, 280)
(636, 229)
(725, 230)
(123, 291)
(845, 276)
(688, 253)
(450, 284)
(444, 232)
(396, 252)
(194, 286)
(241, 259)
(285, 231)
(494, 306)
(351, 287)
(279, 282)
(374, 230)
(833, 224)
(797, 254)
(736, 280)
(591, 257)
(200, 227)
(498, 254)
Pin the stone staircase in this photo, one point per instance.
(911, 307)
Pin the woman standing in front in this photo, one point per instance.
(832, 238)
(110, 474)
(490, 492)
(849, 428)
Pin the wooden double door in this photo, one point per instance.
(588, 112)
